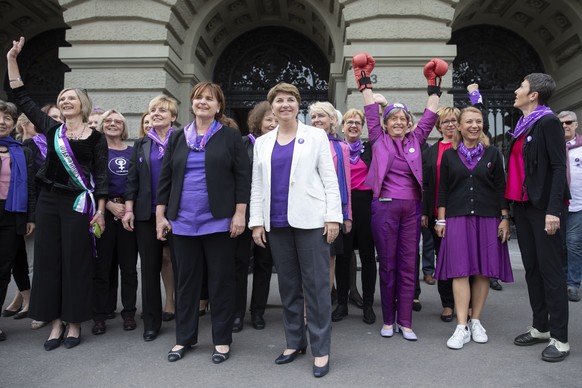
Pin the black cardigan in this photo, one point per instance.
(228, 173)
(480, 192)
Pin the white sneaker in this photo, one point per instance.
(460, 337)
(478, 333)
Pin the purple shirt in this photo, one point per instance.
(399, 182)
(194, 216)
(281, 159)
(117, 171)
(155, 167)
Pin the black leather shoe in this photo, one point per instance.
(495, 285)
(8, 313)
(416, 306)
(258, 321)
(129, 323)
(369, 315)
(320, 371)
(166, 316)
(21, 315)
(54, 343)
(552, 354)
(218, 357)
(175, 355)
(356, 299)
(339, 313)
(237, 325)
(526, 339)
(150, 335)
(99, 328)
(447, 317)
(71, 342)
(286, 359)
(2, 336)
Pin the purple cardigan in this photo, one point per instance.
(383, 148)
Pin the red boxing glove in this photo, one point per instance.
(434, 70)
(363, 65)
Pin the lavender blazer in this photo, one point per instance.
(383, 149)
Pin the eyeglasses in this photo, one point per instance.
(447, 122)
(112, 121)
(353, 123)
(569, 122)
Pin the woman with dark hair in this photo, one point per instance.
(472, 207)
(140, 206)
(69, 212)
(118, 246)
(261, 120)
(202, 197)
(536, 183)
(395, 176)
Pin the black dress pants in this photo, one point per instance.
(262, 270)
(9, 241)
(242, 259)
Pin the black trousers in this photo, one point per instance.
(116, 247)
(360, 236)
(20, 267)
(262, 270)
(9, 241)
(542, 257)
(242, 259)
(62, 284)
(189, 253)
(150, 253)
(445, 287)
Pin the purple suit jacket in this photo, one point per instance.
(384, 149)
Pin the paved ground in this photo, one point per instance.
(360, 357)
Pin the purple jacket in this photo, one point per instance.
(383, 147)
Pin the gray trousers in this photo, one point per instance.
(301, 257)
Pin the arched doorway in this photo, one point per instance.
(246, 71)
(497, 59)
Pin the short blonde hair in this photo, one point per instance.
(354, 112)
(483, 139)
(166, 102)
(22, 122)
(283, 87)
(327, 109)
(443, 112)
(106, 114)
(86, 104)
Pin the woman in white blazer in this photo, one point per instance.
(295, 198)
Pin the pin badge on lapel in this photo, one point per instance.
(301, 140)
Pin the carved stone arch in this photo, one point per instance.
(247, 72)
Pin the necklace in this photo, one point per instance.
(74, 135)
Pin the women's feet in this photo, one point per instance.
(73, 336)
(447, 314)
(387, 331)
(9, 313)
(321, 366)
(407, 333)
(168, 316)
(2, 336)
(221, 353)
(176, 353)
(35, 325)
(289, 355)
(56, 337)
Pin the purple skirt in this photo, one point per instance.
(471, 247)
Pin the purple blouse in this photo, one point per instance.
(399, 182)
(155, 167)
(281, 159)
(117, 171)
(194, 216)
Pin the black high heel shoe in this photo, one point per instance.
(320, 371)
(175, 355)
(287, 358)
(71, 342)
(54, 343)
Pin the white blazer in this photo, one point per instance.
(314, 196)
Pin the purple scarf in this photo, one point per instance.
(40, 141)
(252, 138)
(161, 144)
(17, 199)
(470, 154)
(356, 150)
(525, 123)
(198, 143)
(341, 173)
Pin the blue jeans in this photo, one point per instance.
(574, 246)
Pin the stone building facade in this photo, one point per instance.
(124, 52)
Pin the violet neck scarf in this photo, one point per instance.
(471, 155)
(40, 141)
(17, 199)
(525, 123)
(341, 173)
(161, 144)
(356, 150)
(198, 143)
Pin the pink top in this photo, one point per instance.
(4, 176)
(359, 174)
(516, 173)
(399, 182)
(442, 148)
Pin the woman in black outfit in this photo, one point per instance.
(69, 212)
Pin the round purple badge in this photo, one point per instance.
(301, 140)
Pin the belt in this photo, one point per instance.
(117, 200)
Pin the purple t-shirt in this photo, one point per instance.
(194, 216)
(156, 167)
(399, 182)
(281, 159)
(117, 171)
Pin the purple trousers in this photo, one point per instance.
(396, 232)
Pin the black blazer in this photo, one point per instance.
(138, 187)
(429, 189)
(544, 155)
(228, 173)
(366, 156)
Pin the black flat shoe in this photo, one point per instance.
(258, 321)
(175, 355)
(339, 313)
(447, 317)
(286, 359)
(71, 342)
(99, 328)
(166, 316)
(150, 335)
(416, 306)
(21, 315)
(218, 357)
(129, 323)
(2, 336)
(9, 313)
(237, 325)
(320, 371)
(495, 285)
(54, 343)
(369, 315)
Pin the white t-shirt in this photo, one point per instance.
(575, 160)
